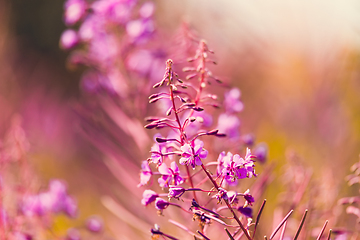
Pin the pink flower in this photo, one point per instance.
(74, 11)
(69, 38)
(117, 11)
(169, 175)
(233, 167)
(176, 192)
(193, 153)
(161, 204)
(148, 197)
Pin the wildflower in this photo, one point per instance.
(161, 204)
(147, 10)
(140, 30)
(169, 175)
(233, 167)
(69, 38)
(148, 197)
(222, 194)
(116, 11)
(193, 153)
(74, 11)
(176, 192)
(145, 173)
(248, 197)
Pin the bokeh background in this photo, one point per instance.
(297, 64)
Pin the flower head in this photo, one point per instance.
(148, 197)
(193, 153)
(176, 192)
(169, 175)
(233, 167)
(161, 204)
(74, 11)
(69, 38)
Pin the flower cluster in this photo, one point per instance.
(187, 102)
(105, 32)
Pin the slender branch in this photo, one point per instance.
(301, 225)
(322, 230)
(227, 203)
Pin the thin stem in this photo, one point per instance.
(301, 225)
(322, 230)
(280, 224)
(229, 234)
(191, 181)
(283, 232)
(227, 203)
(258, 217)
(328, 238)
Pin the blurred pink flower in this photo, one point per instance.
(69, 39)
(74, 11)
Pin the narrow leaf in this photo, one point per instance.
(229, 234)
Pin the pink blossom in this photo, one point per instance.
(148, 197)
(69, 38)
(169, 175)
(74, 11)
(193, 153)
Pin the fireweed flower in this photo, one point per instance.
(233, 167)
(161, 204)
(69, 38)
(193, 153)
(145, 173)
(148, 197)
(176, 192)
(116, 11)
(169, 175)
(248, 197)
(54, 200)
(74, 11)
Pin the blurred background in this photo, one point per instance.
(296, 63)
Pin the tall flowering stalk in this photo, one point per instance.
(187, 101)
